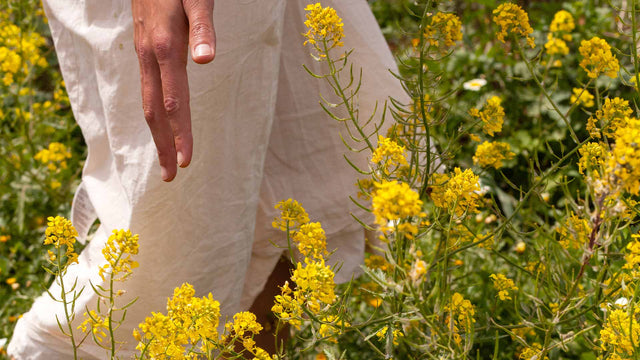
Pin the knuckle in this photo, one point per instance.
(149, 114)
(171, 105)
(162, 46)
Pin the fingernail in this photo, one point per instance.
(180, 158)
(202, 50)
(164, 173)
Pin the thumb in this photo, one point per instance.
(202, 36)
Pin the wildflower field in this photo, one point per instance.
(505, 194)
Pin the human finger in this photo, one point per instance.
(202, 35)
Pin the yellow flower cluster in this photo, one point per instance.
(242, 330)
(461, 311)
(492, 154)
(592, 155)
(555, 46)
(504, 285)
(331, 327)
(632, 257)
(98, 325)
(512, 19)
(597, 58)
(574, 232)
(397, 334)
(292, 215)
(288, 307)
(532, 352)
(54, 156)
(61, 233)
(19, 52)
(389, 154)
(456, 192)
(396, 201)
(444, 27)
(315, 284)
(624, 161)
(189, 321)
(311, 239)
(620, 333)
(492, 115)
(582, 96)
(563, 23)
(324, 26)
(613, 115)
(117, 251)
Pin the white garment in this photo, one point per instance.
(259, 137)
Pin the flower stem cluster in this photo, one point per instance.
(512, 19)
(492, 115)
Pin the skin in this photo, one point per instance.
(165, 31)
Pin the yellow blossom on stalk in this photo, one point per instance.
(292, 215)
(574, 232)
(462, 311)
(532, 353)
(324, 24)
(613, 114)
(393, 201)
(562, 23)
(244, 324)
(582, 96)
(492, 115)
(445, 27)
(377, 262)
(331, 326)
(189, 321)
(117, 251)
(397, 334)
(388, 154)
(597, 58)
(632, 257)
(492, 154)
(311, 239)
(504, 285)
(60, 232)
(512, 19)
(315, 284)
(96, 323)
(288, 306)
(54, 156)
(457, 191)
(620, 333)
(592, 155)
(556, 46)
(623, 164)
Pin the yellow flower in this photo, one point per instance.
(582, 96)
(397, 334)
(288, 306)
(556, 46)
(245, 322)
(61, 233)
(292, 215)
(597, 58)
(393, 201)
(54, 156)
(311, 239)
(331, 327)
(574, 232)
(492, 115)
(562, 22)
(96, 323)
(117, 251)
(377, 262)
(623, 164)
(504, 285)
(388, 154)
(512, 19)
(592, 155)
(324, 24)
(456, 192)
(315, 284)
(532, 353)
(462, 311)
(620, 333)
(492, 154)
(445, 27)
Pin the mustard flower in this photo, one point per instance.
(492, 115)
(397, 334)
(388, 154)
(62, 235)
(574, 232)
(54, 156)
(532, 353)
(462, 311)
(597, 58)
(331, 327)
(592, 155)
(456, 192)
(324, 24)
(315, 284)
(96, 323)
(244, 324)
(394, 201)
(288, 306)
(632, 256)
(623, 165)
(583, 97)
(492, 154)
(311, 239)
(445, 28)
(562, 23)
(117, 251)
(613, 115)
(555, 46)
(504, 285)
(620, 333)
(292, 215)
(512, 19)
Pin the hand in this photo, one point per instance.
(163, 30)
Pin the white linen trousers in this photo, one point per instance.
(260, 136)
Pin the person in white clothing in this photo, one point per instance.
(242, 120)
